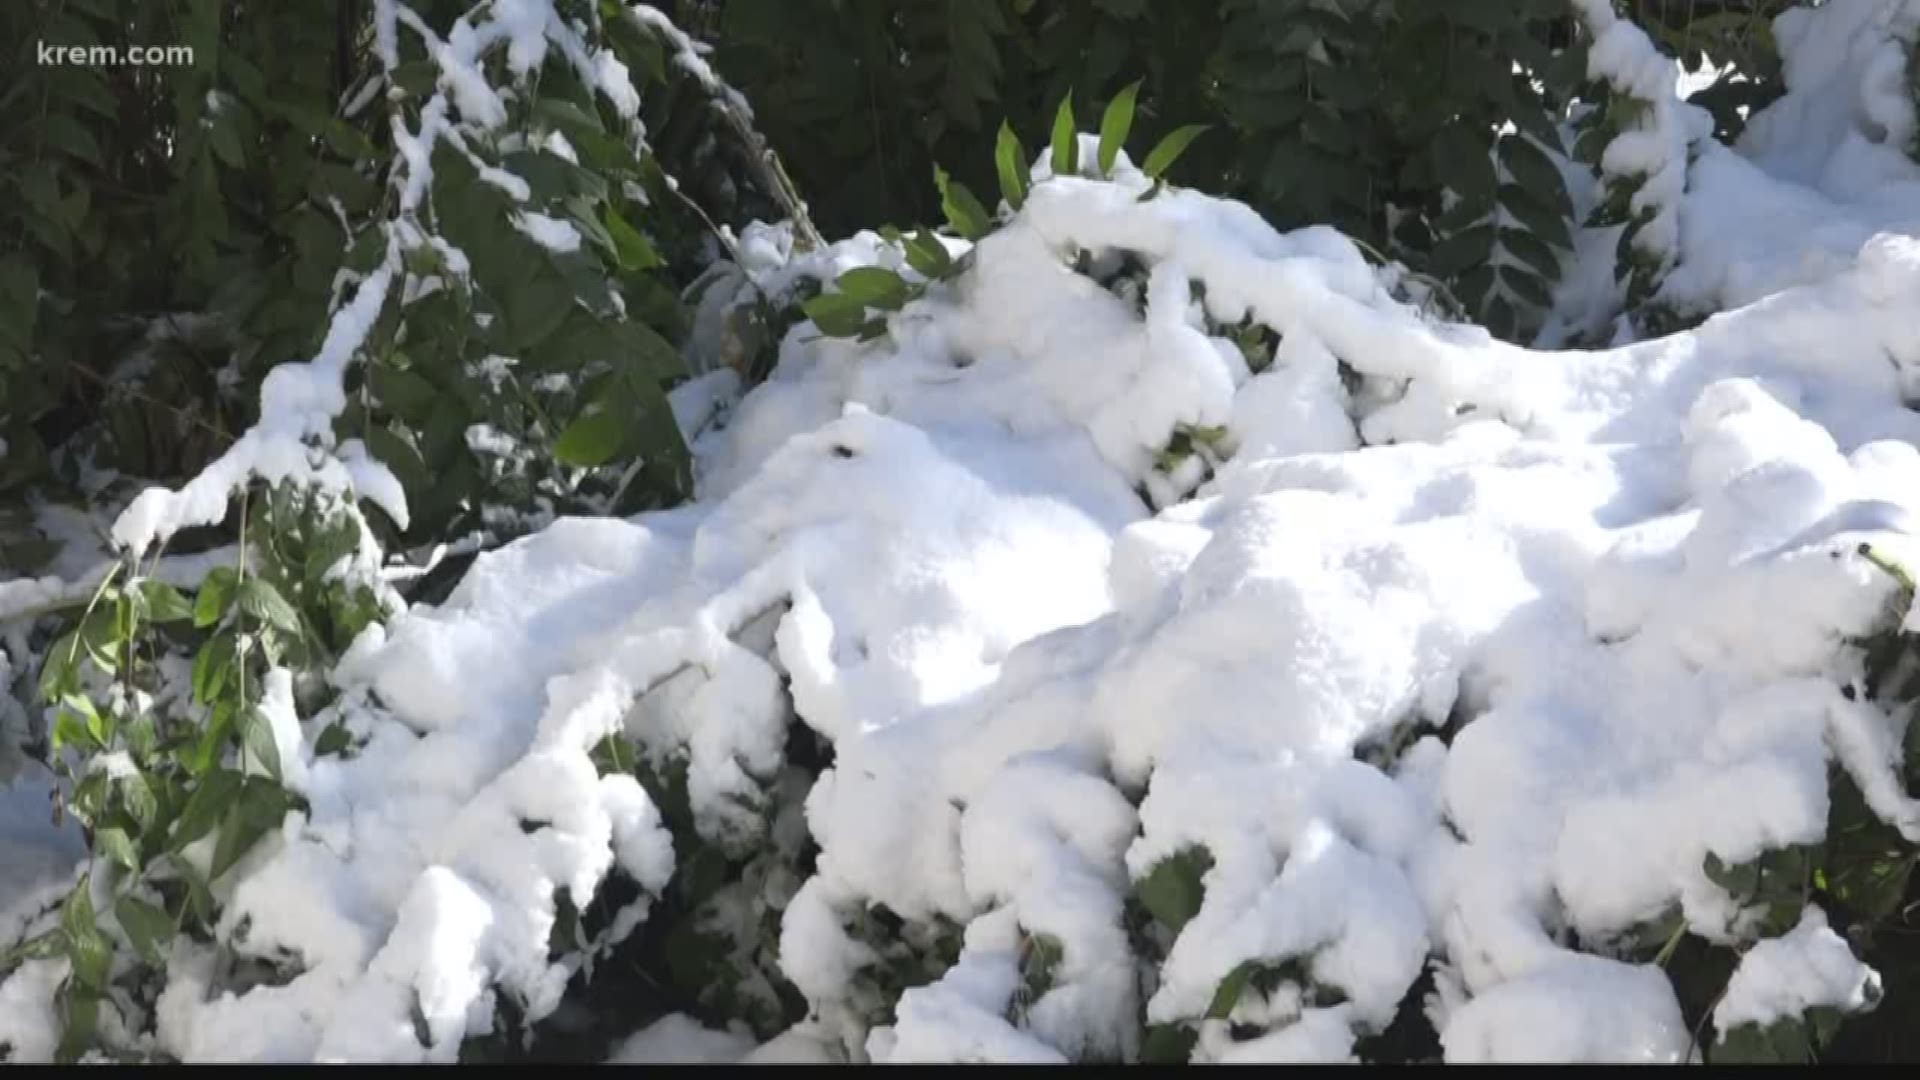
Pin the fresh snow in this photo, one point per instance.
(680, 1039)
(1598, 601)
(1811, 967)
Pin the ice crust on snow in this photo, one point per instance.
(1598, 600)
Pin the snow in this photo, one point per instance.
(1783, 977)
(33, 852)
(1816, 174)
(1656, 147)
(1629, 568)
(680, 1039)
(297, 401)
(1490, 651)
(549, 232)
(687, 55)
(1581, 1008)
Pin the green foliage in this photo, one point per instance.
(1783, 1042)
(1168, 150)
(1405, 125)
(1010, 160)
(1066, 142)
(845, 312)
(1172, 891)
(965, 215)
(178, 231)
(1040, 956)
(198, 779)
(1114, 125)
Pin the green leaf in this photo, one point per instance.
(210, 801)
(964, 212)
(148, 928)
(214, 597)
(1168, 1044)
(1066, 144)
(102, 632)
(653, 434)
(225, 141)
(611, 755)
(1010, 160)
(83, 707)
(1114, 125)
(210, 748)
(335, 739)
(1527, 286)
(1531, 250)
(79, 1020)
(644, 345)
(1461, 163)
(1044, 954)
(1866, 862)
(258, 598)
(59, 671)
(347, 141)
(1783, 1042)
(19, 300)
(118, 847)
(87, 949)
(536, 305)
(211, 667)
(70, 729)
(236, 836)
(836, 314)
(630, 246)
(1533, 170)
(140, 734)
(1169, 149)
(1462, 250)
(591, 440)
(256, 738)
(86, 89)
(45, 946)
(927, 255)
(89, 797)
(69, 136)
(1172, 891)
(1543, 221)
(137, 795)
(164, 602)
(1227, 995)
(874, 286)
(260, 809)
(76, 911)
(198, 901)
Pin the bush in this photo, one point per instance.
(1098, 628)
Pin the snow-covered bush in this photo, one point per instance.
(1114, 629)
(490, 314)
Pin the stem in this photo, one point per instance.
(240, 609)
(1890, 568)
(1673, 943)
